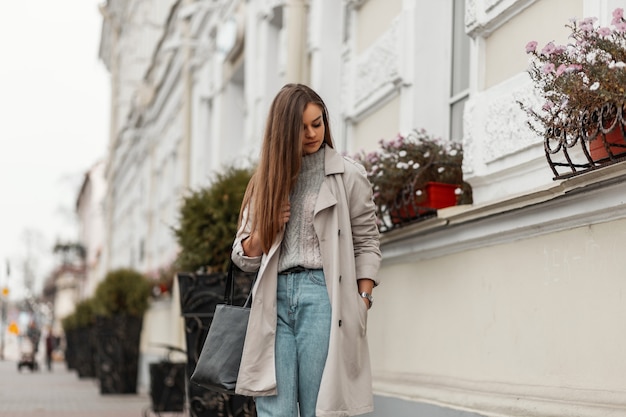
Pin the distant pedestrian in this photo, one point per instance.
(34, 335)
(51, 342)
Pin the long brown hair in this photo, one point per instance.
(280, 159)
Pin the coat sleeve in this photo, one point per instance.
(365, 235)
(245, 263)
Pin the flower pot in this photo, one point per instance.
(615, 140)
(436, 195)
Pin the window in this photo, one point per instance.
(460, 70)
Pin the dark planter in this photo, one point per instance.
(118, 353)
(167, 386)
(70, 349)
(85, 351)
(199, 294)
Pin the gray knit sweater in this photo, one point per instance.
(300, 246)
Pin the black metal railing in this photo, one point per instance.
(199, 295)
(582, 142)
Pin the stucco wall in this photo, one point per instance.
(382, 124)
(544, 21)
(532, 318)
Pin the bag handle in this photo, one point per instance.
(229, 290)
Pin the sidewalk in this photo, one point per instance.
(61, 393)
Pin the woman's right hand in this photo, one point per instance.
(252, 246)
(285, 213)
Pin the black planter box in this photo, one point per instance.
(118, 353)
(85, 352)
(70, 349)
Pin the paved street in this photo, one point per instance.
(60, 393)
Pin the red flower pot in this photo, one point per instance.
(436, 195)
(597, 150)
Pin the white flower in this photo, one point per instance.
(402, 153)
(594, 86)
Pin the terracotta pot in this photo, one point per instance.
(597, 150)
(436, 195)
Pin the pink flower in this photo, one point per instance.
(560, 70)
(586, 25)
(604, 32)
(620, 27)
(548, 49)
(547, 105)
(559, 49)
(548, 68)
(531, 47)
(618, 16)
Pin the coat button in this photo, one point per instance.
(339, 323)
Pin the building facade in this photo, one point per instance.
(90, 211)
(506, 307)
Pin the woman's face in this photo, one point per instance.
(313, 129)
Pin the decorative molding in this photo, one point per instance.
(506, 131)
(495, 125)
(470, 14)
(482, 17)
(490, 4)
(499, 398)
(377, 66)
(468, 137)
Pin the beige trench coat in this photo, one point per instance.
(345, 225)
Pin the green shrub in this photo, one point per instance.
(208, 222)
(85, 313)
(123, 291)
(69, 322)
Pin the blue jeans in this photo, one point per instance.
(302, 334)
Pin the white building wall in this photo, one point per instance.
(66, 296)
(91, 226)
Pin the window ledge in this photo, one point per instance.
(593, 197)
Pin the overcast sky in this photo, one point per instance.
(54, 113)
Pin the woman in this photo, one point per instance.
(308, 226)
